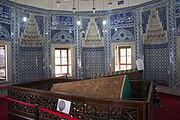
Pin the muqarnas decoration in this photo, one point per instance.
(62, 37)
(92, 38)
(31, 36)
(154, 33)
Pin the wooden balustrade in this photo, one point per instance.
(139, 107)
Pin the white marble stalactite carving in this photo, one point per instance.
(92, 38)
(31, 36)
(154, 33)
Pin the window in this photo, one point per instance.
(123, 58)
(3, 63)
(63, 62)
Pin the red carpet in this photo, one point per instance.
(169, 110)
(3, 109)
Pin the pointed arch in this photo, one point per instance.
(62, 37)
(122, 35)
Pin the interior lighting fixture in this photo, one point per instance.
(58, 2)
(104, 22)
(78, 22)
(24, 19)
(93, 9)
(110, 4)
(74, 9)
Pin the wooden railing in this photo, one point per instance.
(139, 107)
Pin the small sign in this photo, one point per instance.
(120, 2)
(63, 106)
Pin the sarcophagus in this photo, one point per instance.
(102, 88)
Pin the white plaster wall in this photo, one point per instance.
(82, 5)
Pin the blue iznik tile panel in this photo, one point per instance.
(107, 44)
(130, 29)
(59, 22)
(122, 35)
(145, 17)
(62, 37)
(156, 61)
(171, 41)
(5, 31)
(88, 14)
(99, 22)
(78, 53)
(40, 23)
(178, 26)
(162, 15)
(93, 61)
(123, 18)
(85, 22)
(178, 10)
(178, 1)
(22, 22)
(31, 64)
(47, 47)
(15, 45)
(138, 34)
(5, 14)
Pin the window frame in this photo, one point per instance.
(68, 64)
(122, 44)
(3, 46)
(64, 46)
(8, 66)
(126, 64)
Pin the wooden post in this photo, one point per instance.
(36, 112)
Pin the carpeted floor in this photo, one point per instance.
(169, 110)
(3, 109)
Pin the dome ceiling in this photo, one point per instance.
(80, 5)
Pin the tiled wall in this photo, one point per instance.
(156, 56)
(178, 43)
(132, 20)
(156, 63)
(31, 64)
(93, 61)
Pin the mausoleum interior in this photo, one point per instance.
(90, 53)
